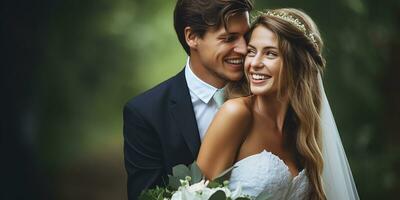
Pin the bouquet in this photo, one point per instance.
(188, 183)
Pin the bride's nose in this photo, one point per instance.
(256, 62)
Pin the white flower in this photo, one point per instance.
(200, 191)
(197, 191)
(237, 192)
(198, 186)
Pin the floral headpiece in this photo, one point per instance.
(292, 20)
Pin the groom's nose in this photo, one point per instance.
(241, 46)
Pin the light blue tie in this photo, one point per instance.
(219, 97)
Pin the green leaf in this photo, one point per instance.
(218, 195)
(157, 193)
(225, 175)
(195, 173)
(263, 196)
(213, 184)
(242, 198)
(173, 182)
(180, 171)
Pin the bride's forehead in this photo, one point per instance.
(262, 36)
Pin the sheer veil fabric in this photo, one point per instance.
(337, 177)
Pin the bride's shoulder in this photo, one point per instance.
(237, 107)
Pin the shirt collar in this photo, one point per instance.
(201, 89)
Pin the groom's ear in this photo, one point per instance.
(191, 38)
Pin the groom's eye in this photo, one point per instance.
(229, 38)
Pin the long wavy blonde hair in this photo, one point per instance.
(302, 64)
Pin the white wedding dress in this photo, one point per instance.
(267, 172)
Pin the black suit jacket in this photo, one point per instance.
(160, 131)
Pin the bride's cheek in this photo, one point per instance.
(246, 66)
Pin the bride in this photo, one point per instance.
(280, 136)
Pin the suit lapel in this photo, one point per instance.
(182, 111)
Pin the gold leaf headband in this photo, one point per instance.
(292, 20)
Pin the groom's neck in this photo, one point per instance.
(204, 73)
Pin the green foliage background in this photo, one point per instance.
(95, 55)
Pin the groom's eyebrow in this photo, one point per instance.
(229, 33)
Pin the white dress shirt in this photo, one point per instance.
(201, 94)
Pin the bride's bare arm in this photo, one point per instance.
(223, 138)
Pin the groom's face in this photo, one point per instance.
(221, 51)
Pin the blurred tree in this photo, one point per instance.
(94, 56)
(20, 174)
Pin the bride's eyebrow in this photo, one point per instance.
(250, 46)
(266, 47)
(270, 47)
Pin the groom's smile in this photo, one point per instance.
(235, 62)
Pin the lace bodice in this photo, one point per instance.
(267, 172)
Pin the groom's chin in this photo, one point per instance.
(235, 76)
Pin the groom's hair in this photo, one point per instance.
(200, 15)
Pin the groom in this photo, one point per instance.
(164, 126)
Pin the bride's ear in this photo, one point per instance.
(191, 38)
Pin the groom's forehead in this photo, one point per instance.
(232, 23)
(238, 24)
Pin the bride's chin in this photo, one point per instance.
(259, 91)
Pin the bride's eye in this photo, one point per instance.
(271, 54)
(251, 52)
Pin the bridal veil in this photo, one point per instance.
(337, 178)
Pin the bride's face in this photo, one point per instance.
(263, 62)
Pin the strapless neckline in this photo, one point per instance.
(275, 157)
(265, 171)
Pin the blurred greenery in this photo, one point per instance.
(92, 56)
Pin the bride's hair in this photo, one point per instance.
(300, 45)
